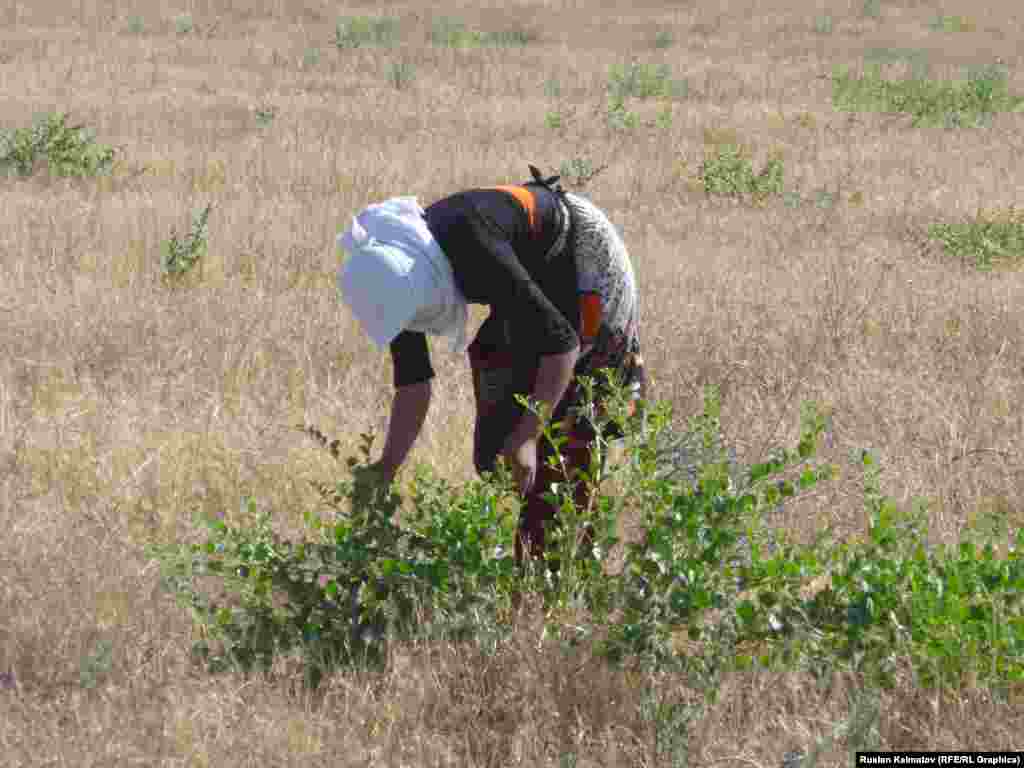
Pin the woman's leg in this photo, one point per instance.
(538, 513)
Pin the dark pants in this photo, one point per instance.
(497, 376)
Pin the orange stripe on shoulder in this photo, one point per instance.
(526, 199)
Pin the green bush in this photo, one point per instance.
(358, 31)
(928, 102)
(644, 81)
(452, 33)
(182, 254)
(68, 150)
(728, 172)
(183, 24)
(619, 117)
(663, 38)
(401, 74)
(986, 240)
(706, 566)
(943, 23)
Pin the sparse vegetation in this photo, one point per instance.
(952, 24)
(359, 31)
(664, 38)
(872, 9)
(401, 74)
(728, 172)
(183, 24)
(970, 104)
(644, 81)
(579, 171)
(453, 33)
(265, 114)
(181, 254)
(986, 239)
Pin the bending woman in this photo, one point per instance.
(563, 299)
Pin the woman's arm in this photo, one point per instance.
(408, 412)
(553, 377)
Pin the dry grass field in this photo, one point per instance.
(126, 405)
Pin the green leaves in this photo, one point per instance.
(182, 253)
(986, 240)
(728, 172)
(68, 150)
(705, 567)
(929, 102)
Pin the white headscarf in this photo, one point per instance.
(397, 277)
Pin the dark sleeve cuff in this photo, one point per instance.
(411, 359)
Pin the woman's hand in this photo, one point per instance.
(522, 454)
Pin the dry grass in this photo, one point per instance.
(124, 406)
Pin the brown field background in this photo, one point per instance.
(125, 406)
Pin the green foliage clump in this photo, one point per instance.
(954, 612)
(943, 23)
(183, 24)
(401, 74)
(182, 253)
(663, 38)
(359, 31)
(453, 33)
(360, 578)
(929, 102)
(823, 24)
(644, 81)
(68, 150)
(728, 172)
(986, 240)
(872, 9)
(707, 586)
(580, 171)
(916, 59)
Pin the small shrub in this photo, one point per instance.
(311, 58)
(915, 58)
(136, 25)
(951, 24)
(453, 33)
(265, 114)
(928, 102)
(552, 88)
(401, 74)
(619, 117)
(97, 664)
(183, 24)
(579, 171)
(664, 38)
(643, 81)
(553, 120)
(872, 9)
(358, 31)
(509, 37)
(823, 24)
(664, 118)
(985, 240)
(182, 254)
(728, 172)
(68, 150)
